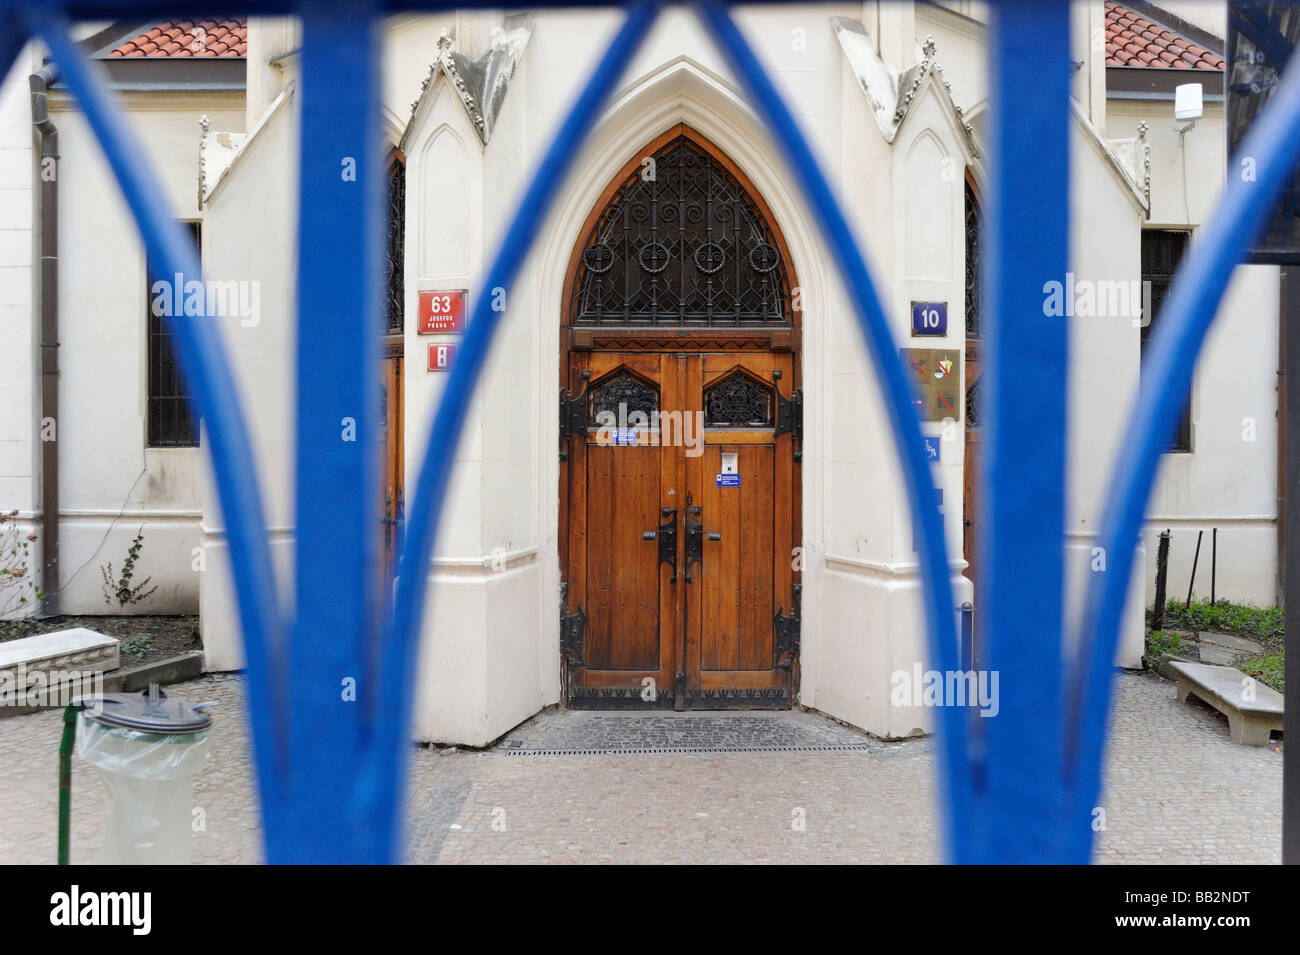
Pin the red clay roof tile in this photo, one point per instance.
(225, 38)
(1132, 40)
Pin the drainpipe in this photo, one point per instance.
(48, 212)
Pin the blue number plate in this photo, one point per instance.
(929, 318)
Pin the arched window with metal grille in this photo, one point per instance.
(681, 241)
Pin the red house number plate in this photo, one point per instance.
(440, 357)
(442, 311)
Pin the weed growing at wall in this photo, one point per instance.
(18, 589)
(121, 588)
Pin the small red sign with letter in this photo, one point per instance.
(442, 311)
(440, 356)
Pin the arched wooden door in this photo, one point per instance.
(680, 432)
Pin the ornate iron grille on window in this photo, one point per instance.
(1162, 251)
(621, 395)
(172, 422)
(738, 401)
(681, 243)
(396, 249)
(972, 264)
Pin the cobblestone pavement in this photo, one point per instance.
(791, 787)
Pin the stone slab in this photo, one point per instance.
(1231, 641)
(77, 649)
(1219, 656)
(186, 666)
(50, 669)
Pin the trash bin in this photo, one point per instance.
(147, 749)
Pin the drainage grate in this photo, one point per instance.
(584, 733)
(859, 748)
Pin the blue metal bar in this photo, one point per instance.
(1037, 784)
(1238, 220)
(1023, 466)
(207, 372)
(337, 588)
(165, 9)
(13, 37)
(382, 782)
(956, 803)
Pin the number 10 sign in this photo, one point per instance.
(929, 318)
(442, 311)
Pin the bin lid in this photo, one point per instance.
(149, 711)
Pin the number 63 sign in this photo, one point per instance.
(442, 311)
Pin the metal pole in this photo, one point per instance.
(1162, 575)
(65, 779)
(1291, 580)
(1214, 561)
(1195, 559)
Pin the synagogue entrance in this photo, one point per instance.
(680, 435)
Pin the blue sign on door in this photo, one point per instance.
(932, 447)
(929, 318)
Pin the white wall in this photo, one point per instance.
(251, 220)
(1229, 479)
(1105, 247)
(19, 308)
(111, 484)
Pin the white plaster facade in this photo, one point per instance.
(490, 641)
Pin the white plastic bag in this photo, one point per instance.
(150, 779)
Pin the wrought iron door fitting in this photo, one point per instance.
(667, 537)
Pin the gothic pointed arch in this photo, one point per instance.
(681, 238)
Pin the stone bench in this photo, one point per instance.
(1249, 721)
(50, 666)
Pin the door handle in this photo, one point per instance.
(666, 534)
(695, 538)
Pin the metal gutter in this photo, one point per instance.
(48, 365)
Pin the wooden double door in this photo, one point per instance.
(681, 509)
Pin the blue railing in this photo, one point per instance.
(332, 774)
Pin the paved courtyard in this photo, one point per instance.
(739, 787)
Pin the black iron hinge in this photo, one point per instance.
(786, 645)
(572, 626)
(573, 415)
(789, 415)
